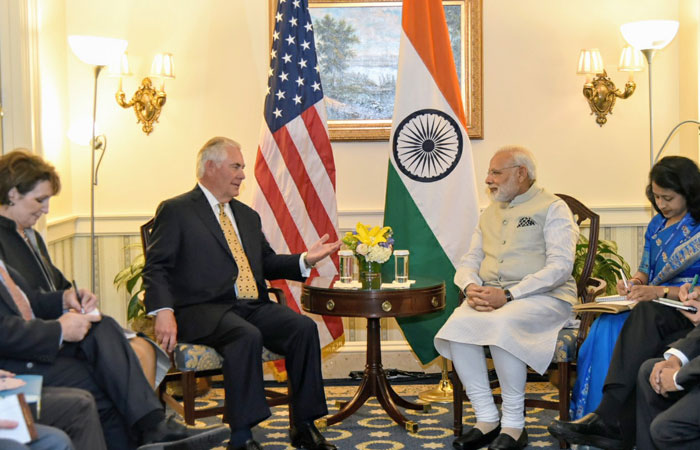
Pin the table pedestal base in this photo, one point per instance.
(375, 384)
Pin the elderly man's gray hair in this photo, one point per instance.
(521, 157)
(214, 150)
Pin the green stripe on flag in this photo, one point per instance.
(411, 232)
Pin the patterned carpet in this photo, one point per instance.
(371, 429)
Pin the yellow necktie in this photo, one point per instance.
(247, 288)
(20, 301)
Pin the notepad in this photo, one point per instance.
(611, 304)
(14, 407)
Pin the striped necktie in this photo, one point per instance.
(20, 300)
(247, 288)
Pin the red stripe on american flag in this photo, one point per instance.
(313, 204)
(319, 136)
(274, 198)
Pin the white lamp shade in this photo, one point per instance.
(97, 51)
(590, 62)
(163, 65)
(649, 34)
(631, 60)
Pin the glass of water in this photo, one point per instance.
(401, 266)
(347, 265)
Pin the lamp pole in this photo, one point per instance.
(649, 55)
(95, 145)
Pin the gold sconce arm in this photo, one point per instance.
(601, 94)
(147, 102)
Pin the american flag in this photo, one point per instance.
(294, 168)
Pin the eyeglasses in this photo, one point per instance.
(499, 172)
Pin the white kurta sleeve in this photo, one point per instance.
(560, 236)
(468, 268)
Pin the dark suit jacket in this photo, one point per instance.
(14, 250)
(190, 268)
(689, 375)
(36, 341)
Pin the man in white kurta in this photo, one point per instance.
(519, 291)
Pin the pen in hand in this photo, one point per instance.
(77, 295)
(693, 284)
(624, 280)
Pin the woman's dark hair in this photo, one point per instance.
(681, 175)
(22, 170)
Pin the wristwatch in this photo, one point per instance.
(509, 296)
(666, 292)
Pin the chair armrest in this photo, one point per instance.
(594, 288)
(278, 294)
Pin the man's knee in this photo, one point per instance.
(107, 327)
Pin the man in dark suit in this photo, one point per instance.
(647, 332)
(204, 277)
(86, 351)
(668, 397)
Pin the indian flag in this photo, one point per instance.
(431, 200)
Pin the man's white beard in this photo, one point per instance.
(505, 192)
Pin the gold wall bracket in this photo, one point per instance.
(601, 94)
(147, 102)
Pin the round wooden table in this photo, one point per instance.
(424, 296)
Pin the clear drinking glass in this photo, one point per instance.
(401, 266)
(347, 265)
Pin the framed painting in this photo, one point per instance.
(357, 45)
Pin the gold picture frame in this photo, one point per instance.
(469, 66)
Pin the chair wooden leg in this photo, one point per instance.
(564, 397)
(189, 388)
(289, 403)
(457, 402)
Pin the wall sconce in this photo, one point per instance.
(599, 89)
(147, 101)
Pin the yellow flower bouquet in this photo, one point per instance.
(372, 248)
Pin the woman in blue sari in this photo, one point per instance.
(671, 258)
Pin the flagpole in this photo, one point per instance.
(443, 392)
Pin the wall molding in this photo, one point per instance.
(128, 224)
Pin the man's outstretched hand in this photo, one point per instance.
(321, 249)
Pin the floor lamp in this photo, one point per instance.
(98, 52)
(670, 135)
(648, 36)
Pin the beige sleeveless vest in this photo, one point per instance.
(513, 242)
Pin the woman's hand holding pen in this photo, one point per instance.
(644, 293)
(690, 297)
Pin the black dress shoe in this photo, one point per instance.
(250, 444)
(307, 436)
(588, 430)
(169, 433)
(506, 442)
(474, 439)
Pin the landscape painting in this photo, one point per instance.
(357, 45)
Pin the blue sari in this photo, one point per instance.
(671, 258)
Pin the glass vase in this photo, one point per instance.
(370, 274)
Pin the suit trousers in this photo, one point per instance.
(240, 336)
(73, 411)
(671, 422)
(104, 364)
(647, 332)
